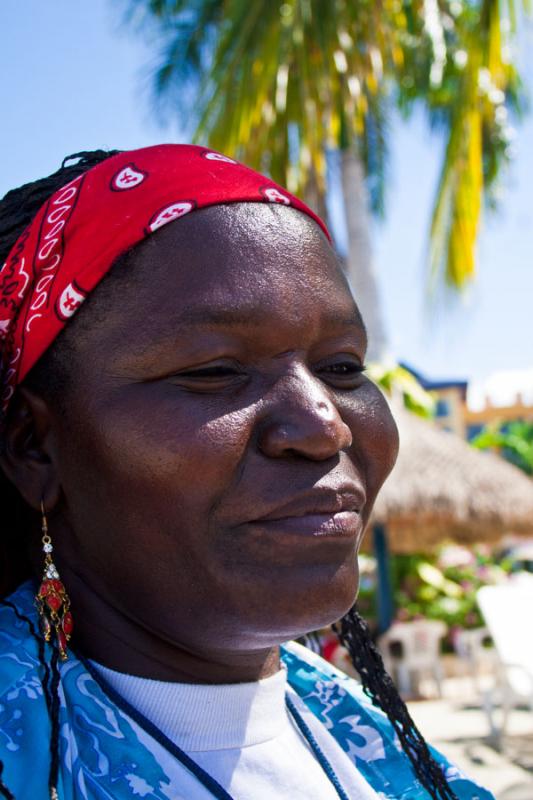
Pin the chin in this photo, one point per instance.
(284, 605)
(328, 605)
(332, 613)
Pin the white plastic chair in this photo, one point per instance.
(411, 651)
(507, 610)
(476, 657)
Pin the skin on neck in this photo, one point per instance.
(145, 654)
(214, 465)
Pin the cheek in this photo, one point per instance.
(141, 492)
(154, 479)
(375, 436)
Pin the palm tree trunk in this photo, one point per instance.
(360, 268)
(316, 198)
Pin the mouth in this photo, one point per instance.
(322, 513)
(320, 525)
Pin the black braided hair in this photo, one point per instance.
(353, 632)
(19, 206)
(50, 683)
(17, 209)
(4, 791)
(54, 716)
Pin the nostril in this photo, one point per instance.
(299, 419)
(349, 437)
(343, 434)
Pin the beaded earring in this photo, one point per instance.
(52, 599)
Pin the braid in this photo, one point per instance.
(41, 648)
(4, 791)
(17, 209)
(19, 206)
(50, 685)
(54, 739)
(353, 633)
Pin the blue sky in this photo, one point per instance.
(74, 78)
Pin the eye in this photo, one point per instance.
(343, 372)
(218, 371)
(209, 377)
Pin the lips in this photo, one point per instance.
(342, 524)
(318, 501)
(320, 513)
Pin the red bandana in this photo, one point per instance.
(83, 228)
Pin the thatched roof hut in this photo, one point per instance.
(443, 489)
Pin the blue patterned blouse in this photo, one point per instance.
(105, 753)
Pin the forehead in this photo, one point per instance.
(245, 249)
(239, 264)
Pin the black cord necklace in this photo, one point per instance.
(199, 773)
(315, 747)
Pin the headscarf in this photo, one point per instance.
(82, 229)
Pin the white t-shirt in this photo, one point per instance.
(244, 737)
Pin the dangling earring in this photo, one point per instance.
(52, 599)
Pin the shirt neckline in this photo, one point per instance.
(205, 717)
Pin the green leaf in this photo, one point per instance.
(278, 83)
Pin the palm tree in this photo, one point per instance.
(279, 84)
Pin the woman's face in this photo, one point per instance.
(221, 449)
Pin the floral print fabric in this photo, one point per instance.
(105, 753)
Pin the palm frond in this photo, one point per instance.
(277, 84)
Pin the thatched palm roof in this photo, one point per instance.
(442, 488)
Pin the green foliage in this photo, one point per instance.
(444, 587)
(479, 85)
(513, 439)
(444, 591)
(397, 381)
(367, 595)
(278, 82)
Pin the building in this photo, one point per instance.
(465, 409)
(450, 401)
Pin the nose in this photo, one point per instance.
(299, 418)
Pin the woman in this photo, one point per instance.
(190, 453)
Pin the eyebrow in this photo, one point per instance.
(233, 317)
(227, 317)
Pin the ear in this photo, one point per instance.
(28, 456)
